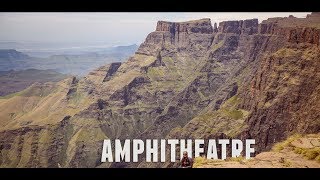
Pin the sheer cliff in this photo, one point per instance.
(187, 80)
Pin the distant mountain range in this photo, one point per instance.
(12, 54)
(14, 81)
(76, 64)
(46, 49)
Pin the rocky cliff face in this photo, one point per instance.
(239, 27)
(190, 37)
(187, 80)
(283, 95)
(278, 95)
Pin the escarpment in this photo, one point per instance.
(241, 79)
(278, 87)
(192, 37)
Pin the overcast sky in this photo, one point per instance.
(111, 28)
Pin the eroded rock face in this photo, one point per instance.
(45, 144)
(276, 111)
(279, 98)
(239, 27)
(293, 35)
(177, 37)
(111, 71)
(279, 94)
(215, 27)
(103, 73)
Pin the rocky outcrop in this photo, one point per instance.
(295, 152)
(293, 35)
(202, 26)
(103, 73)
(248, 27)
(304, 35)
(156, 63)
(295, 31)
(215, 27)
(178, 37)
(125, 94)
(111, 71)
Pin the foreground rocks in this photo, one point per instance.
(288, 157)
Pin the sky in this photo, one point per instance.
(108, 28)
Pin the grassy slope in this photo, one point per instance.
(39, 105)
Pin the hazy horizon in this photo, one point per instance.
(105, 29)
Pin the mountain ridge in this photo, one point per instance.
(73, 64)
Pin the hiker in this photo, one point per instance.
(186, 162)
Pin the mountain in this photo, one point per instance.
(74, 64)
(10, 59)
(188, 79)
(11, 54)
(14, 81)
(46, 49)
